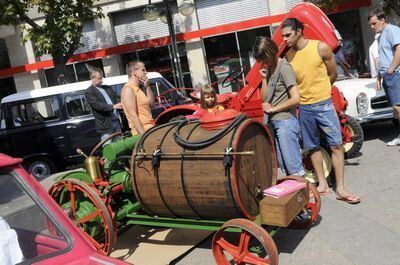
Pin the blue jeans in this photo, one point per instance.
(319, 116)
(287, 134)
(391, 85)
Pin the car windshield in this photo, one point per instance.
(27, 232)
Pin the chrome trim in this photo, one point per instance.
(375, 116)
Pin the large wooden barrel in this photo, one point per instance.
(198, 186)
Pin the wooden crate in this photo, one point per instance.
(281, 212)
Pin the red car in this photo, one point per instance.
(33, 228)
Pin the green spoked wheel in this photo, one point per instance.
(249, 243)
(86, 207)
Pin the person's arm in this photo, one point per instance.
(149, 92)
(264, 84)
(114, 97)
(378, 85)
(220, 107)
(329, 60)
(150, 95)
(396, 60)
(128, 99)
(95, 103)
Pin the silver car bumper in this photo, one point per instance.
(376, 116)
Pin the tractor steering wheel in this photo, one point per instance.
(233, 76)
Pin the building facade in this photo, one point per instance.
(215, 40)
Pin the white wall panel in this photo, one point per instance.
(290, 4)
(130, 26)
(218, 12)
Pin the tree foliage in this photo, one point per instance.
(391, 5)
(60, 32)
(388, 6)
(327, 4)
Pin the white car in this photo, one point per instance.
(366, 104)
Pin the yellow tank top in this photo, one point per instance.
(311, 73)
(143, 110)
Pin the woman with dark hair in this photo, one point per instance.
(281, 97)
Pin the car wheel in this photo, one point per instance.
(40, 167)
(353, 148)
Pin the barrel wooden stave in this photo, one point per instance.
(197, 187)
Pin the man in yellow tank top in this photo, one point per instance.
(315, 68)
(136, 103)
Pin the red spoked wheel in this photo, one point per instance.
(252, 245)
(312, 208)
(308, 167)
(86, 207)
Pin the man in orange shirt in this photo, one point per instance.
(137, 103)
(315, 68)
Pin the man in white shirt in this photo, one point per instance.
(374, 57)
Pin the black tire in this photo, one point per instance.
(40, 167)
(353, 149)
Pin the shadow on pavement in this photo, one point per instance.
(287, 239)
(374, 131)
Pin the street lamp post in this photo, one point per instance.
(151, 13)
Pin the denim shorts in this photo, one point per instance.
(287, 134)
(316, 118)
(391, 85)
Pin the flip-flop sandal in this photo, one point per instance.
(348, 200)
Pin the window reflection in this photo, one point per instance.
(27, 232)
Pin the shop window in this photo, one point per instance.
(159, 59)
(222, 58)
(52, 78)
(7, 87)
(246, 41)
(228, 53)
(75, 72)
(349, 25)
(4, 60)
(82, 69)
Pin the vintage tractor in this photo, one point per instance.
(206, 174)
(247, 100)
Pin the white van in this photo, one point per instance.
(46, 126)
